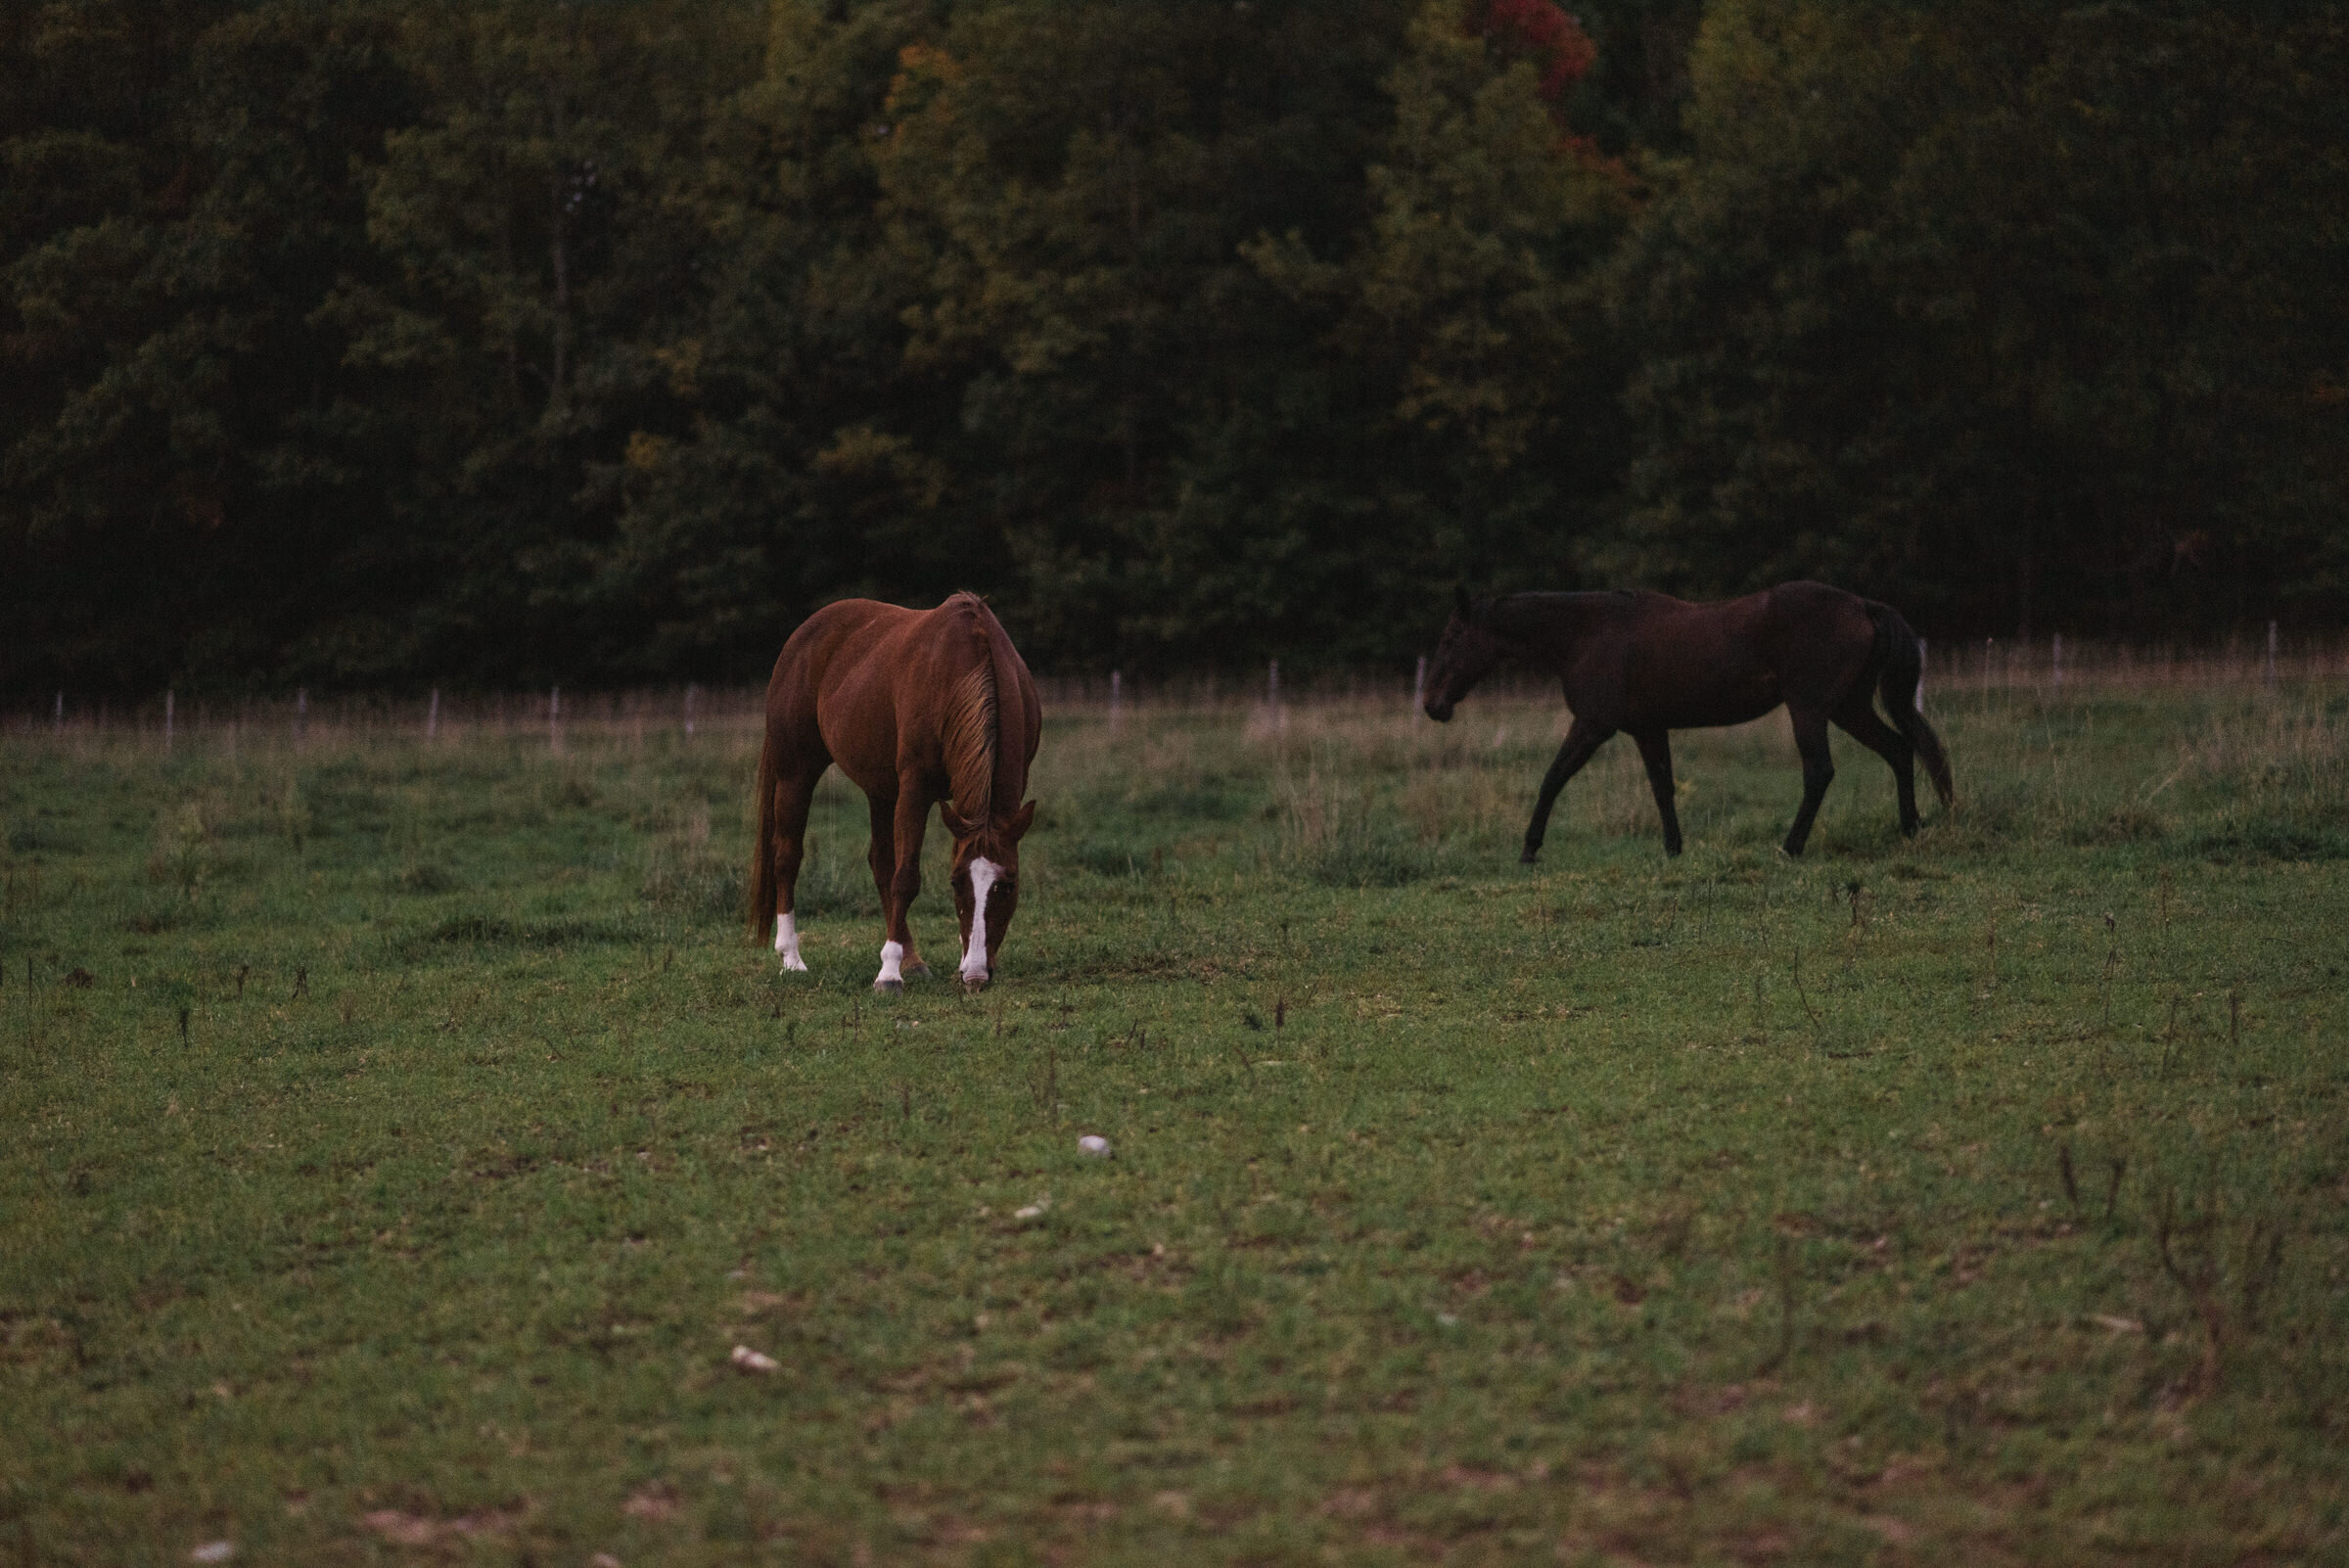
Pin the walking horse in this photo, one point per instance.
(1645, 664)
(919, 707)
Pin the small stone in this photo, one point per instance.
(751, 1360)
(214, 1551)
(1094, 1144)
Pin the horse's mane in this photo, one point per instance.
(1564, 598)
(968, 733)
(1508, 613)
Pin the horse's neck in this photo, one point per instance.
(989, 755)
(968, 724)
(1012, 718)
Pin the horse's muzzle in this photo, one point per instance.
(1439, 711)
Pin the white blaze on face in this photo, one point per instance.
(787, 943)
(983, 873)
(893, 953)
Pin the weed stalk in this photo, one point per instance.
(1783, 1269)
(2112, 964)
(1803, 995)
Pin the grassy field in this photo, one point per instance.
(403, 1137)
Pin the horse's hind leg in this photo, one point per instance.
(1819, 771)
(1583, 740)
(1655, 750)
(792, 796)
(1858, 720)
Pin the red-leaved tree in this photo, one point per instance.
(1553, 38)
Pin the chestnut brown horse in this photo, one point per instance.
(1648, 665)
(919, 707)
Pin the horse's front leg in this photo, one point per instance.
(900, 882)
(1583, 740)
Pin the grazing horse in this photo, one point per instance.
(1647, 664)
(919, 707)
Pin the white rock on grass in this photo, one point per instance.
(751, 1360)
(1094, 1144)
(214, 1551)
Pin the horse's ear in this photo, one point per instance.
(1459, 603)
(1021, 821)
(957, 823)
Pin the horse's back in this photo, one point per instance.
(866, 685)
(1695, 666)
(1690, 666)
(839, 633)
(1820, 638)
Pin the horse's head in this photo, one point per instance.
(987, 883)
(1468, 650)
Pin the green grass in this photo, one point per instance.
(402, 1137)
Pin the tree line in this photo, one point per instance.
(372, 342)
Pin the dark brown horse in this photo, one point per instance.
(1648, 665)
(919, 707)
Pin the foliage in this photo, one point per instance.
(2013, 312)
(384, 341)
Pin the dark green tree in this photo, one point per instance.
(2018, 316)
(799, 459)
(541, 221)
(173, 221)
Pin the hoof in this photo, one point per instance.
(795, 966)
(917, 969)
(1528, 858)
(889, 987)
(978, 983)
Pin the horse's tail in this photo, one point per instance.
(1900, 654)
(762, 856)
